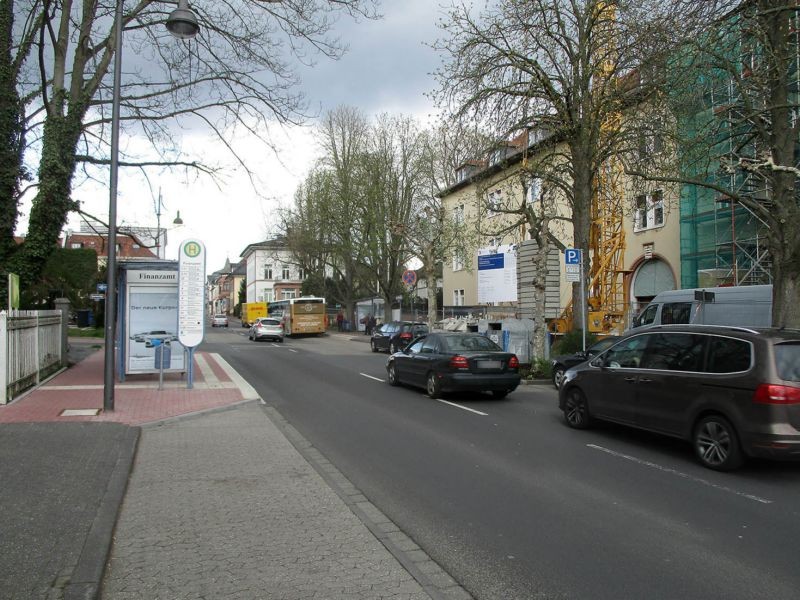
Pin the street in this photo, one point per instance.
(512, 503)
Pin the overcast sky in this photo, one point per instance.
(387, 69)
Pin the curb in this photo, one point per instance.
(87, 577)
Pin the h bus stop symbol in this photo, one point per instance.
(572, 256)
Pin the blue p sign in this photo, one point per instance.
(572, 256)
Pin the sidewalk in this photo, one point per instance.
(222, 499)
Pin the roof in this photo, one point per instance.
(277, 243)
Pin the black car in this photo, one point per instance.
(561, 363)
(451, 362)
(731, 391)
(396, 335)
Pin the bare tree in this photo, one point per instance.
(566, 68)
(236, 75)
(735, 128)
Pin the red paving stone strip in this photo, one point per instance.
(132, 405)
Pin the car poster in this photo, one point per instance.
(152, 308)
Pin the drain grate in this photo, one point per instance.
(80, 412)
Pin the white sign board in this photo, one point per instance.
(497, 275)
(191, 292)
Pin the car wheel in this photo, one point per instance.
(499, 394)
(433, 386)
(392, 375)
(576, 411)
(716, 443)
(373, 346)
(558, 376)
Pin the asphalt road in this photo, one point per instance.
(513, 504)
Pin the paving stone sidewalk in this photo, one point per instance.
(222, 505)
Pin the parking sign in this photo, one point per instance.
(572, 256)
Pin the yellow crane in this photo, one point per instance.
(606, 301)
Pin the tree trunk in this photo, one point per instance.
(10, 138)
(53, 202)
(539, 284)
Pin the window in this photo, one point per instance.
(301, 274)
(649, 212)
(458, 262)
(534, 190)
(494, 203)
(285, 274)
(458, 297)
(647, 316)
(787, 361)
(76, 245)
(287, 294)
(268, 272)
(267, 296)
(676, 313)
(458, 214)
(429, 345)
(135, 246)
(675, 352)
(626, 354)
(728, 355)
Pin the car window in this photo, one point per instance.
(597, 348)
(429, 345)
(471, 343)
(419, 329)
(787, 361)
(676, 313)
(674, 352)
(626, 354)
(728, 355)
(273, 322)
(647, 316)
(415, 347)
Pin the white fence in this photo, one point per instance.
(30, 349)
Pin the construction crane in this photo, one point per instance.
(606, 301)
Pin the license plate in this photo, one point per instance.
(489, 364)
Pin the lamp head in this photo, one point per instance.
(178, 220)
(182, 23)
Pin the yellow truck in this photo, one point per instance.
(251, 311)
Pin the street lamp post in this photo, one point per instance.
(182, 23)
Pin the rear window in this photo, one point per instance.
(728, 355)
(470, 344)
(270, 321)
(787, 361)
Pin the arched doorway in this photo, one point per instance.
(650, 278)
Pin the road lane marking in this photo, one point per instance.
(292, 350)
(248, 391)
(371, 377)
(472, 410)
(647, 463)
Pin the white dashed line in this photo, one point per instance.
(472, 410)
(700, 480)
(371, 377)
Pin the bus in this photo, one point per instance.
(300, 316)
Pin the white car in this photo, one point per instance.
(266, 328)
(219, 321)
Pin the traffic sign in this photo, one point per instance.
(97, 297)
(409, 277)
(102, 288)
(572, 256)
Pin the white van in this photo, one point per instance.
(744, 305)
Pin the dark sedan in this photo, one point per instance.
(564, 361)
(452, 362)
(396, 335)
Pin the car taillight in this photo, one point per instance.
(405, 336)
(768, 393)
(459, 362)
(513, 362)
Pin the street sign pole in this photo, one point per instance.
(583, 303)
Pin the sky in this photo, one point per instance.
(386, 70)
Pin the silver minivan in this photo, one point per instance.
(744, 305)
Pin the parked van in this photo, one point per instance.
(744, 305)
